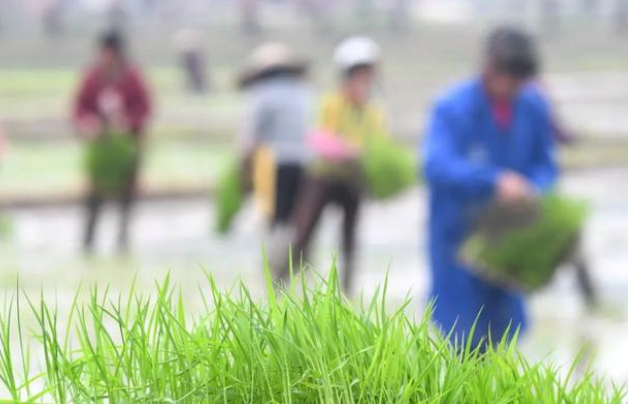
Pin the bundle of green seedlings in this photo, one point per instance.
(526, 255)
(229, 197)
(389, 169)
(302, 346)
(110, 161)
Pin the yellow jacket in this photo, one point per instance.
(354, 125)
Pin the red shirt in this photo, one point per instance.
(127, 88)
(502, 113)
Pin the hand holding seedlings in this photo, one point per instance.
(89, 127)
(513, 187)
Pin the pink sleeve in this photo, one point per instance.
(329, 146)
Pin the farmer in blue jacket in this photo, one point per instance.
(488, 138)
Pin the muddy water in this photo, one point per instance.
(176, 237)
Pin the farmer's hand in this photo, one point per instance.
(89, 127)
(120, 122)
(513, 187)
(332, 147)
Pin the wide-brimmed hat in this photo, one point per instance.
(269, 58)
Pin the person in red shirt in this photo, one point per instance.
(113, 95)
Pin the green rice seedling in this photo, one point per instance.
(307, 345)
(229, 197)
(388, 168)
(527, 256)
(110, 161)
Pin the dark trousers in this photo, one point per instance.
(289, 181)
(584, 278)
(317, 194)
(93, 206)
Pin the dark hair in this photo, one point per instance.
(112, 40)
(353, 70)
(512, 52)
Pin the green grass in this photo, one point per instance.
(307, 345)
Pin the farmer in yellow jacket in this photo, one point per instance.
(346, 119)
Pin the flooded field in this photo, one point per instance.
(175, 237)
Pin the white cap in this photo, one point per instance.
(356, 51)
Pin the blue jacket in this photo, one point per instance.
(465, 151)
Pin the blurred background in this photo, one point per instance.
(45, 45)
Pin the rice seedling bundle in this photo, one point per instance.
(389, 169)
(110, 161)
(229, 197)
(522, 246)
(310, 347)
